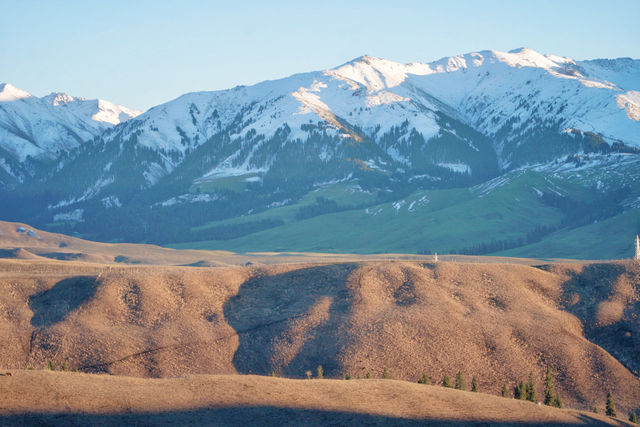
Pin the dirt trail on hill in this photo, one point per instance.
(497, 322)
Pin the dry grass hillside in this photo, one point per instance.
(232, 400)
(497, 322)
(606, 298)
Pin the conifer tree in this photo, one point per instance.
(385, 374)
(557, 401)
(633, 417)
(474, 384)
(531, 388)
(424, 379)
(319, 372)
(549, 391)
(446, 382)
(505, 391)
(595, 410)
(611, 406)
(519, 391)
(461, 382)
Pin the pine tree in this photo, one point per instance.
(446, 382)
(595, 410)
(505, 391)
(557, 401)
(461, 382)
(385, 374)
(474, 384)
(519, 391)
(319, 372)
(611, 406)
(531, 389)
(424, 379)
(549, 391)
(50, 366)
(367, 375)
(633, 417)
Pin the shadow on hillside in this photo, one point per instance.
(254, 415)
(63, 256)
(584, 293)
(277, 311)
(7, 253)
(55, 304)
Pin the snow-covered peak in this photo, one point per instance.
(60, 98)
(485, 89)
(623, 72)
(98, 110)
(11, 93)
(43, 127)
(516, 58)
(525, 57)
(109, 112)
(376, 73)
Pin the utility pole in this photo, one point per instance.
(637, 255)
(435, 256)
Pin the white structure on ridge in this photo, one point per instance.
(637, 255)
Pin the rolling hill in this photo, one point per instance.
(250, 400)
(494, 321)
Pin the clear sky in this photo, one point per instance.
(141, 53)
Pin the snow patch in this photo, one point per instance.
(111, 202)
(278, 204)
(189, 198)
(630, 101)
(399, 204)
(457, 167)
(75, 215)
(489, 186)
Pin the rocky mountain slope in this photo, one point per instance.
(386, 130)
(36, 130)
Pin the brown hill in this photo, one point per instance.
(497, 322)
(18, 253)
(50, 398)
(606, 298)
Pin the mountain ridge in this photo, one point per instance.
(389, 129)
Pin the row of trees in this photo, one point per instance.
(521, 391)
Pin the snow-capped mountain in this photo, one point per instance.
(517, 99)
(389, 127)
(41, 128)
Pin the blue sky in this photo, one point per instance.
(141, 53)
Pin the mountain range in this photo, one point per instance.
(488, 152)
